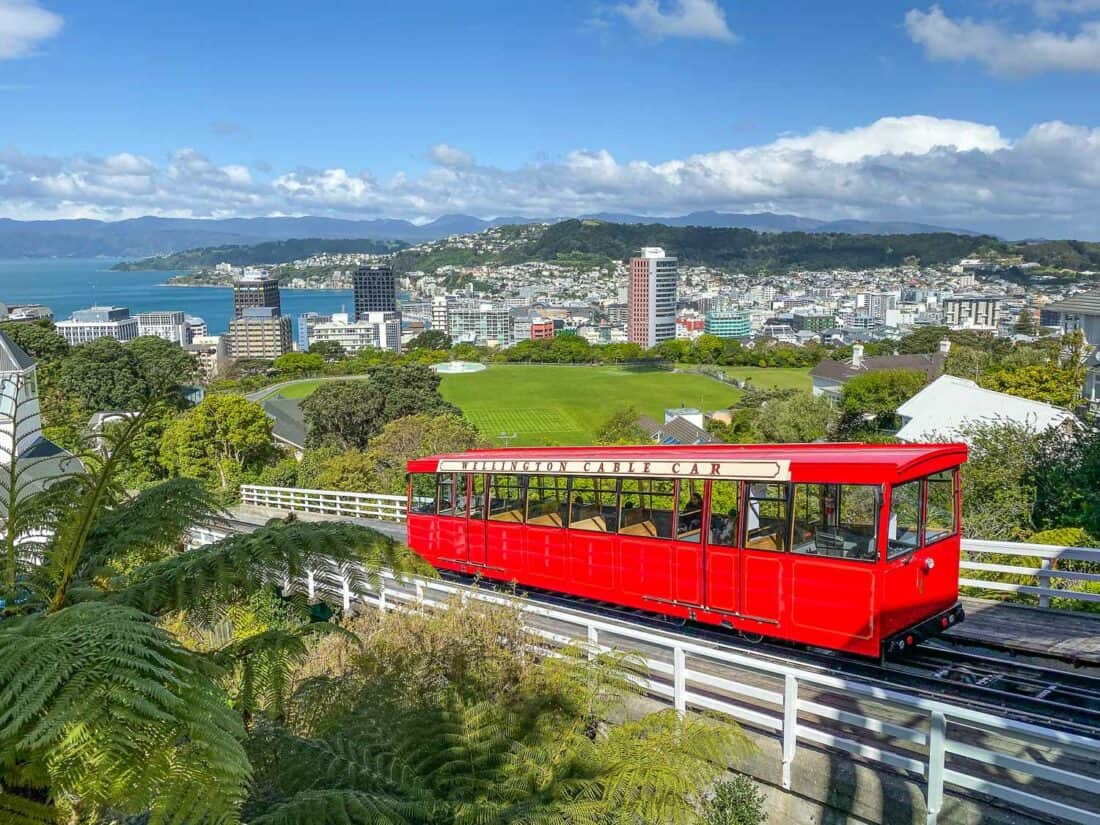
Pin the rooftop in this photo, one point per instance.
(931, 364)
(1084, 303)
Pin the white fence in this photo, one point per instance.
(941, 745)
(1043, 582)
(331, 502)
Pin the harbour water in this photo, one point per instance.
(65, 285)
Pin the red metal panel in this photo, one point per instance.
(475, 540)
(834, 598)
(920, 584)
(687, 568)
(592, 560)
(722, 577)
(646, 567)
(451, 541)
(504, 547)
(545, 553)
(762, 584)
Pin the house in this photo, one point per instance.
(829, 376)
(681, 426)
(945, 408)
(1081, 311)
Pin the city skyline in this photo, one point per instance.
(969, 113)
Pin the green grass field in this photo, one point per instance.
(566, 405)
(301, 389)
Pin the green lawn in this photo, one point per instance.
(566, 405)
(300, 389)
(781, 377)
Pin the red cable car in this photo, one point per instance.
(853, 547)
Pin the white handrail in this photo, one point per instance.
(1032, 767)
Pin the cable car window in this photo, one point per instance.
(766, 517)
(446, 494)
(836, 520)
(593, 504)
(939, 509)
(904, 530)
(423, 493)
(725, 507)
(689, 517)
(506, 495)
(646, 507)
(546, 500)
(477, 496)
(462, 498)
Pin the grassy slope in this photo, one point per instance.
(565, 405)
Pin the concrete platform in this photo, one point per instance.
(1068, 635)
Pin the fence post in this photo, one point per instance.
(347, 594)
(679, 680)
(1044, 581)
(382, 597)
(593, 642)
(790, 726)
(419, 592)
(937, 749)
(311, 587)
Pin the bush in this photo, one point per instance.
(738, 802)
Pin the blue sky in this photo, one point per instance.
(414, 109)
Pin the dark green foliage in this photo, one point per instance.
(748, 250)
(872, 399)
(737, 802)
(38, 339)
(165, 367)
(622, 427)
(431, 339)
(104, 375)
(1066, 475)
(329, 350)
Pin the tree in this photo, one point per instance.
(39, 340)
(1025, 323)
(108, 716)
(1059, 386)
(447, 718)
(329, 350)
(998, 489)
(416, 436)
(877, 395)
(345, 414)
(218, 440)
(299, 363)
(166, 367)
(801, 417)
(622, 427)
(430, 339)
(353, 471)
(104, 375)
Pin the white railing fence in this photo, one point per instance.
(1045, 581)
(943, 746)
(329, 502)
(1039, 573)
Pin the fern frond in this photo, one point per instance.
(116, 714)
(143, 529)
(17, 810)
(346, 807)
(230, 570)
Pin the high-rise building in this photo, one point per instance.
(260, 332)
(479, 323)
(972, 312)
(256, 289)
(171, 326)
(99, 322)
(375, 290)
(210, 353)
(652, 298)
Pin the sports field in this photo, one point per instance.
(566, 405)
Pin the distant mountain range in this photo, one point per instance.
(143, 237)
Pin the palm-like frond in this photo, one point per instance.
(17, 810)
(344, 807)
(116, 713)
(229, 570)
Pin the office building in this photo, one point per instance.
(99, 322)
(807, 321)
(375, 290)
(652, 298)
(171, 326)
(972, 312)
(728, 324)
(260, 332)
(256, 289)
(197, 325)
(376, 330)
(479, 323)
(210, 353)
(875, 305)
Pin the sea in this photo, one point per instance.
(68, 284)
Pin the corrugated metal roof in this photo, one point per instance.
(1084, 303)
(930, 364)
(12, 357)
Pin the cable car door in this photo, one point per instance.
(722, 565)
(475, 527)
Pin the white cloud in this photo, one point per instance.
(949, 172)
(451, 157)
(1058, 8)
(702, 19)
(1001, 51)
(23, 25)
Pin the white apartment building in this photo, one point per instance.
(210, 352)
(479, 323)
(99, 322)
(376, 330)
(171, 326)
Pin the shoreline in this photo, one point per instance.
(288, 288)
